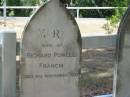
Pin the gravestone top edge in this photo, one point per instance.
(122, 58)
(119, 42)
(44, 5)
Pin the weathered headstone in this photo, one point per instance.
(7, 63)
(123, 58)
(50, 54)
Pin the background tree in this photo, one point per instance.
(114, 19)
(13, 3)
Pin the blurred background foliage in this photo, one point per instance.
(74, 3)
(112, 15)
(99, 3)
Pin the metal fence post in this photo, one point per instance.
(77, 13)
(4, 10)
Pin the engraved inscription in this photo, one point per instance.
(42, 65)
(49, 33)
(54, 54)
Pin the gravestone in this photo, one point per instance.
(50, 55)
(123, 58)
(7, 63)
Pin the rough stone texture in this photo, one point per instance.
(50, 56)
(123, 57)
(0, 66)
(7, 64)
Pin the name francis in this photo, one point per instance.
(42, 65)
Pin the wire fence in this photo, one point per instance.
(34, 8)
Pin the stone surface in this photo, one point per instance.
(1, 65)
(123, 57)
(7, 63)
(50, 56)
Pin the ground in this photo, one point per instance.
(97, 72)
